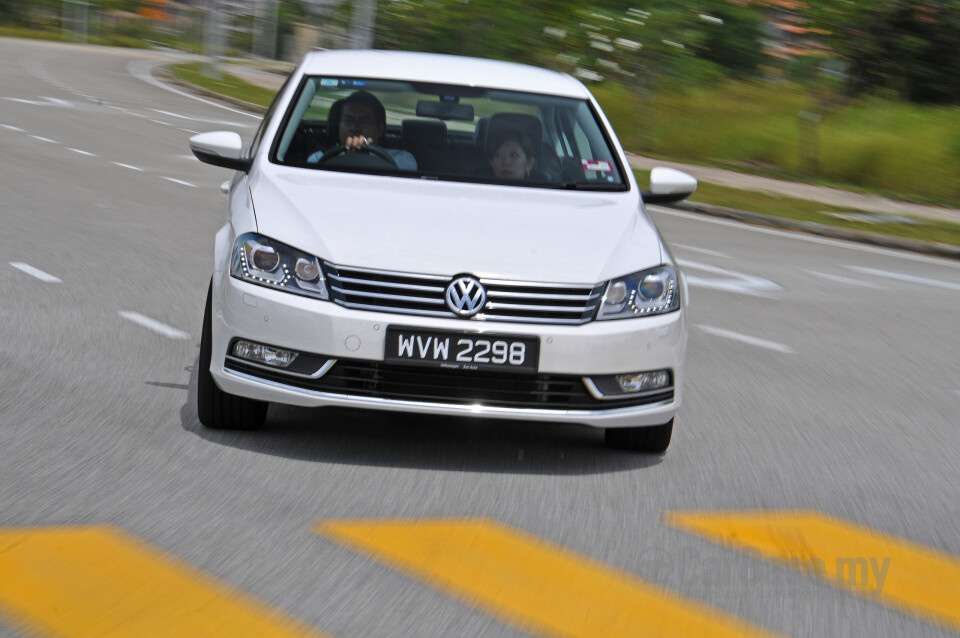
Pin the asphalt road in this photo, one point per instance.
(822, 376)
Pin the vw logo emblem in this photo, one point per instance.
(465, 296)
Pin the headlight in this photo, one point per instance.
(649, 292)
(266, 262)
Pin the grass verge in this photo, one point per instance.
(226, 84)
(807, 211)
(901, 150)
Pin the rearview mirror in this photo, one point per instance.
(669, 185)
(446, 110)
(220, 148)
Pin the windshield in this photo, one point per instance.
(447, 132)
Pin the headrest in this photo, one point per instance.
(480, 132)
(333, 122)
(416, 134)
(529, 125)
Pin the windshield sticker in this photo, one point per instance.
(341, 83)
(602, 166)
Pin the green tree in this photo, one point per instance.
(10, 11)
(501, 29)
(733, 37)
(909, 46)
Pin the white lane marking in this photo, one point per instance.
(191, 131)
(948, 285)
(163, 123)
(137, 70)
(189, 157)
(180, 181)
(712, 253)
(44, 139)
(182, 117)
(133, 168)
(77, 150)
(205, 120)
(753, 341)
(736, 282)
(844, 280)
(50, 101)
(152, 324)
(12, 128)
(35, 272)
(837, 243)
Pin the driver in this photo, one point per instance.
(363, 122)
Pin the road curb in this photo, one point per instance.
(163, 74)
(863, 237)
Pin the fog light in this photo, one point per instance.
(643, 381)
(654, 383)
(276, 357)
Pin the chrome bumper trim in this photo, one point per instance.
(449, 407)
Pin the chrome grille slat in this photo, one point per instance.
(522, 295)
(532, 284)
(380, 295)
(387, 284)
(397, 310)
(519, 319)
(492, 306)
(418, 294)
(389, 273)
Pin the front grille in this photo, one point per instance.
(376, 380)
(519, 302)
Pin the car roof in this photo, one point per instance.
(443, 69)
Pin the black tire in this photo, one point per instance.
(653, 440)
(217, 409)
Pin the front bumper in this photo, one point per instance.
(358, 378)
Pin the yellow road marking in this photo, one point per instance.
(534, 585)
(80, 582)
(885, 568)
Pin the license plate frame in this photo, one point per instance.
(450, 349)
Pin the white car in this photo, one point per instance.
(413, 270)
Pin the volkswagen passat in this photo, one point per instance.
(442, 235)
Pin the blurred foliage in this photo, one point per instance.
(481, 28)
(908, 46)
(629, 39)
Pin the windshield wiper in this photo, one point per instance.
(588, 186)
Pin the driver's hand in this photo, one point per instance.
(356, 142)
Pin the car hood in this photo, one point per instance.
(446, 228)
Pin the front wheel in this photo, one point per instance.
(653, 440)
(217, 409)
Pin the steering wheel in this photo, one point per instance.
(371, 149)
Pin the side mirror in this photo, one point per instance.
(669, 185)
(221, 148)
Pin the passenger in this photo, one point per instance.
(512, 155)
(363, 122)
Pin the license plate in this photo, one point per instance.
(456, 351)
